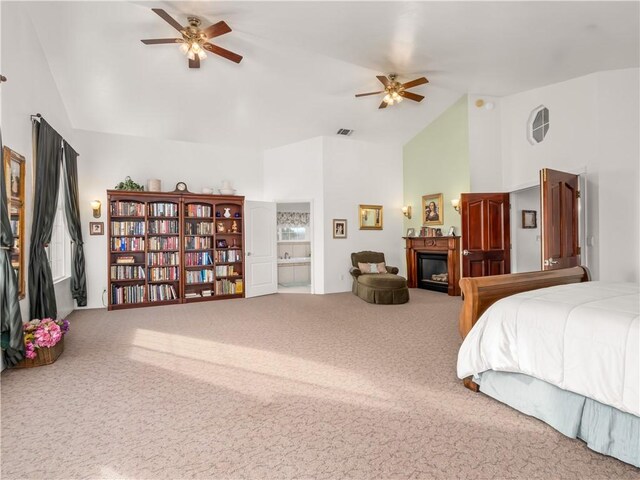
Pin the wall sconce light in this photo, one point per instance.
(96, 207)
(480, 103)
(455, 203)
(406, 210)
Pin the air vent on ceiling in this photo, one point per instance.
(344, 131)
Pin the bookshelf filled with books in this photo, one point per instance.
(167, 248)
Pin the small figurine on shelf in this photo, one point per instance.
(221, 228)
(234, 227)
(227, 212)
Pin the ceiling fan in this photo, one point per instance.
(395, 91)
(195, 40)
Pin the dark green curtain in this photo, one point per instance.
(42, 299)
(12, 342)
(72, 211)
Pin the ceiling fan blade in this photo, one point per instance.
(371, 93)
(416, 82)
(383, 105)
(157, 41)
(412, 96)
(234, 57)
(168, 18)
(383, 79)
(217, 29)
(195, 63)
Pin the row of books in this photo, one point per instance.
(198, 228)
(203, 293)
(229, 287)
(157, 274)
(127, 208)
(198, 210)
(163, 209)
(119, 272)
(127, 294)
(226, 271)
(160, 293)
(229, 256)
(163, 258)
(163, 226)
(197, 258)
(164, 243)
(127, 228)
(199, 276)
(197, 243)
(127, 244)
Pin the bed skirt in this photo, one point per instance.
(605, 429)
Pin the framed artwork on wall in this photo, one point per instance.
(339, 228)
(370, 217)
(14, 172)
(96, 228)
(432, 212)
(529, 219)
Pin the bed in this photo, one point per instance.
(561, 348)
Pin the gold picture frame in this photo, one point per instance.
(14, 170)
(370, 217)
(432, 209)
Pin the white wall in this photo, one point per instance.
(594, 128)
(485, 152)
(106, 159)
(526, 253)
(355, 173)
(293, 173)
(30, 89)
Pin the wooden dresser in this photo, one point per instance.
(449, 246)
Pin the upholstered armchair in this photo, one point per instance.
(385, 287)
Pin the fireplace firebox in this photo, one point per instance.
(433, 271)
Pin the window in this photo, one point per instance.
(292, 233)
(538, 124)
(58, 251)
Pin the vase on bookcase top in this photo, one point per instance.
(227, 212)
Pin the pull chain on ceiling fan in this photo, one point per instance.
(195, 40)
(395, 91)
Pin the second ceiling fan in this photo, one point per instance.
(195, 40)
(395, 91)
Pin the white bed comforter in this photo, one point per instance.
(582, 337)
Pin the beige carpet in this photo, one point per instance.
(286, 386)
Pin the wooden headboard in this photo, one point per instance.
(481, 292)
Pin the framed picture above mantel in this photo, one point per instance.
(432, 211)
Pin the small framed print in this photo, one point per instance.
(411, 232)
(339, 228)
(222, 243)
(529, 219)
(96, 228)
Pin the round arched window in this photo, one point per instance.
(538, 125)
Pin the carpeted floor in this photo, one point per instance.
(285, 386)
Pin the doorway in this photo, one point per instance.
(294, 247)
(526, 250)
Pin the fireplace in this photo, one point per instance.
(433, 271)
(434, 263)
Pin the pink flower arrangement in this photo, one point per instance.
(44, 333)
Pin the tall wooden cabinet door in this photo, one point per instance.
(486, 234)
(559, 193)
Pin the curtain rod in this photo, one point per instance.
(37, 117)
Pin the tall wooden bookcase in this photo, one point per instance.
(167, 248)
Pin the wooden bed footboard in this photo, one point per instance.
(481, 292)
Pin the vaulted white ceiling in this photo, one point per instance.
(304, 61)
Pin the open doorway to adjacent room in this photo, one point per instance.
(294, 247)
(526, 253)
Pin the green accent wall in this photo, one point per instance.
(436, 160)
